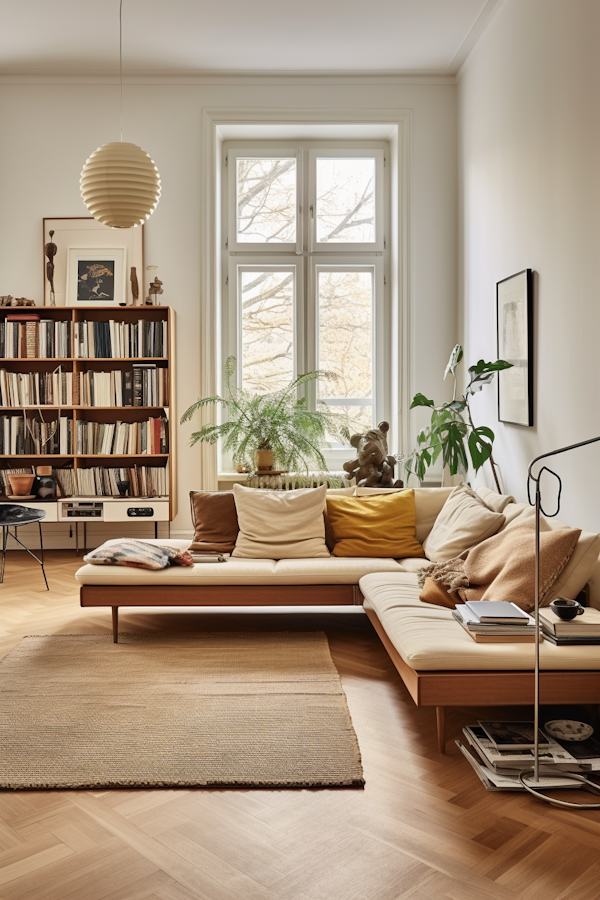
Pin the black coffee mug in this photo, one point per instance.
(566, 609)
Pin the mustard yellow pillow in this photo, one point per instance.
(375, 525)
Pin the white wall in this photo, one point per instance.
(529, 149)
(49, 127)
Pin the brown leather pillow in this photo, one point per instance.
(435, 592)
(215, 521)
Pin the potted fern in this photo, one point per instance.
(451, 432)
(278, 424)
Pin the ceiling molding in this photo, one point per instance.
(245, 78)
(499, 8)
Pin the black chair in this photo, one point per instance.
(13, 516)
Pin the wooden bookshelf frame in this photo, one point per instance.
(79, 365)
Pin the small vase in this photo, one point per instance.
(263, 460)
(45, 483)
(20, 485)
(123, 487)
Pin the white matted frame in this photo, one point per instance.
(82, 232)
(230, 123)
(104, 273)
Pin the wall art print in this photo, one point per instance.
(96, 277)
(514, 318)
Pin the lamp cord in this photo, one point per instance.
(121, 65)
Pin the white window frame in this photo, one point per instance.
(309, 256)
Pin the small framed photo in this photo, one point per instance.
(96, 277)
(514, 318)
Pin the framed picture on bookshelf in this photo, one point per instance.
(86, 233)
(96, 277)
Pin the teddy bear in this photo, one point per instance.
(374, 466)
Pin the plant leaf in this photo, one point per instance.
(480, 445)
(455, 358)
(421, 400)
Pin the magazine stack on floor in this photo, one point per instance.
(491, 621)
(584, 629)
(498, 751)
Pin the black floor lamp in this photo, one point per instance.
(534, 786)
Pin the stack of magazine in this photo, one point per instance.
(499, 751)
(495, 620)
(584, 629)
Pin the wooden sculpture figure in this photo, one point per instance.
(154, 289)
(374, 466)
(135, 290)
(51, 250)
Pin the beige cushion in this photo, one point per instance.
(493, 500)
(428, 638)
(280, 524)
(428, 504)
(463, 522)
(335, 570)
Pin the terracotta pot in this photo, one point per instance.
(263, 460)
(21, 484)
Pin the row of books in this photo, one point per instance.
(495, 621)
(120, 340)
(21, 435)
(122, 438)
(499, 751)
(26, 336)
(142, 385)
(100, 481)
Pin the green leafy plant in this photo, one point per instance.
(451, 432)
(279, 421)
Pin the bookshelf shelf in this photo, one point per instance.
(78, 330)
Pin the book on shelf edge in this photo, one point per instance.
(512, 735)
(569, 641)
(498, 611)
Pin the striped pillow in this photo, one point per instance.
(129, 552)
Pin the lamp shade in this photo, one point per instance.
(120, 185)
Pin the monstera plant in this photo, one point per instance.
(451, 432)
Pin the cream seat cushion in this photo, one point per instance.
(429, 639)
(280, 524)
(463, 522)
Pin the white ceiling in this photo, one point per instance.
(81, 37)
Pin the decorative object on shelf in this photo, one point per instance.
(20, 485)
(449, 434)
(88, 234)
(15, 301)
(373, 466)
(154, 286)
(278, 421)
(120, 184)
(50, 249)
(123, 487)
(96, 277)
(45, 483)
(514, 317)
(530, 778)
(135, 289)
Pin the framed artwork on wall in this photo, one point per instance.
(514, 322)
(81, 233)
(96, 277)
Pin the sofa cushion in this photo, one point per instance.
(280, 524)
(493, 500)
(463, 522)
(378, 525)
(335, 570)
(132, 553)
(429, 639)
(428, 505)
(215, 521)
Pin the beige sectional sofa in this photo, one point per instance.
(439, 662)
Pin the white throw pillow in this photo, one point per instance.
(280, 524)
(463, 522)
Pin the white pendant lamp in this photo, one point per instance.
(120, 184)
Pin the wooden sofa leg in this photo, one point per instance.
(115, 624)
(440, 716)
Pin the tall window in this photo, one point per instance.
(305, 271)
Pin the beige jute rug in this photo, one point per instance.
(77, 711)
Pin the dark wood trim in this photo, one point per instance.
(218, 595)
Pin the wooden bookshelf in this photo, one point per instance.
(101, 414)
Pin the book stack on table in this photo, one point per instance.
(584, 629)
(495, 620)
(498, 751)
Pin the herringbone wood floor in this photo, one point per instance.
(423, 828)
